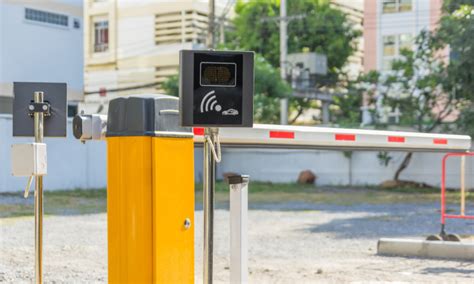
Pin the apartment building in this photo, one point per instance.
(391, 25)
(41, 41)
(131, 47)
(354, 10)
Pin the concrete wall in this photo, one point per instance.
(333, 168)
(75, 165)
(70, 164)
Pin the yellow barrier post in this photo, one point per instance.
(150, 192)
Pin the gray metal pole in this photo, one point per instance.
(209, 178)
(325, 112)
(39, 131)
(210, 28)
(283, 59)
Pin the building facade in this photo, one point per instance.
(391, 25)
(41, 41)
(131, 47)
(354, 11)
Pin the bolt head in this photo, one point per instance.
(45, 107)
(31, 107)
(187, 223)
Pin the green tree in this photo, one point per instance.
(171, 86)
(457, 31)
(269, 88)
(315, 26)
(348, 106)
(320, 28)
(417, 86)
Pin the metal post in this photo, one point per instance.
(283, 60)
(463, 185)
(325, 112)
(211, 30)
(39, 131)
(238, 228)
(209, 179)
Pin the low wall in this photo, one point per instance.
(72, 164)
(333, 168)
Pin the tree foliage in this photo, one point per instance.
(417, 87)
(171, 86)
(313, 25)
(456, 31)
(320, 28)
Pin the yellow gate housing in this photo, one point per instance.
(150, 192)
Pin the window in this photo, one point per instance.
(389, 45)
(46, 17)
(392, 45)
(76, 24)
(396, 6)
(101, 36)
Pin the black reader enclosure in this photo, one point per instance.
(216, 88)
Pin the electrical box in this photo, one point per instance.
(216, 88)
(314, 63)
(29, 159)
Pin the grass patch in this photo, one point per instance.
(60, 202)
(79, 201)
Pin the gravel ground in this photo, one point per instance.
(288, 243)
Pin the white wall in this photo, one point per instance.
(71, 164)
(333, 168)
(33, 51)
(74, 165)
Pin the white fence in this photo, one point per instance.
(74, 165)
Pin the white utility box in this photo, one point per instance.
(29, 159)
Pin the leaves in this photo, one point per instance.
(414, 90)
(319, 28)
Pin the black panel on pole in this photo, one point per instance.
(55, 94)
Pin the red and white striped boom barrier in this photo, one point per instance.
(287, 136)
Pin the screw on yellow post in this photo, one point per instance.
(150, 193)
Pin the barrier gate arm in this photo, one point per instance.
(338, 138)
(92, 127)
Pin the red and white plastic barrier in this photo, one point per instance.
(286, 136)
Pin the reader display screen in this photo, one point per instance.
(218, 74)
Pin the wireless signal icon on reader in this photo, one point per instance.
(209, 103)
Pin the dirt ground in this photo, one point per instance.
(293, 242)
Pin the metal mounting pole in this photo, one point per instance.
(283, 59)
(211, 26)
(39, 134)
(209, 179)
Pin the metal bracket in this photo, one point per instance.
(45, 108)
